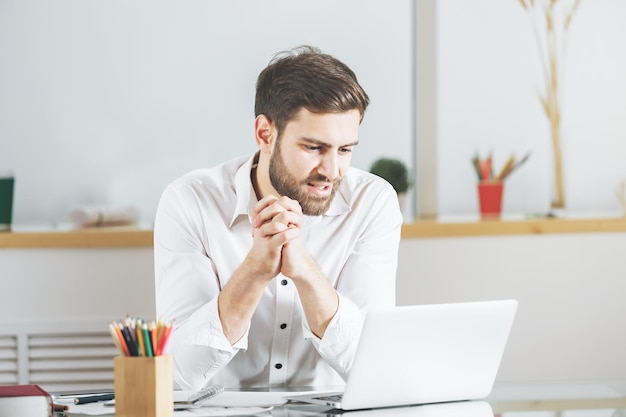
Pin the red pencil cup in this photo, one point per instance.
(490, 198)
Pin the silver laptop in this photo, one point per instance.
(425, 354)
(449, 409)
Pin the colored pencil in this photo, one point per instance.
(136, 337)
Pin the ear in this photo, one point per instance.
(264, 133)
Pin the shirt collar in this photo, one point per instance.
(244, 191)
(246, 197)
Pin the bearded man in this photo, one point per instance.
(268, 263)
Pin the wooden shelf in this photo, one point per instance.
(84, 238)
(435, 228)
(135, 237)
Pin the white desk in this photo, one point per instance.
(540, 399)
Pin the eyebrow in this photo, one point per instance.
(328, 145)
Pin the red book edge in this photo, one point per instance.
(29, 390)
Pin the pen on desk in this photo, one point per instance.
(93, 398)
(61, 407)
(206, 394)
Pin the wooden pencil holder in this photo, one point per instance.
(143, 386)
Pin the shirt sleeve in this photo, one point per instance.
(367, 280)
(338, 345)
(187, 289)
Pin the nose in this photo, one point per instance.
(329, 165)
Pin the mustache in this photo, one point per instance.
(321, 178)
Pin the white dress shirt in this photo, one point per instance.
(202, 234)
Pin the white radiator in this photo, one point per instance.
(59, 355)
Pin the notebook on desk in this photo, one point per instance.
(425, 354)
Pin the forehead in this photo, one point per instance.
(332, 128)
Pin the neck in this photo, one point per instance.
(259, 175)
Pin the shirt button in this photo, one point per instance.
(278, 365)
(283, 326)
(283, 282)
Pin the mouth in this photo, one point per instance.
(321, 189)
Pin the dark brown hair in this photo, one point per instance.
(304, 77)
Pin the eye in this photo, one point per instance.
(313, 148)
(345, 150)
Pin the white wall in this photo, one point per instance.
(570, 290)
(76, 283)
(95, 93)
(105, 102)
(489, 80)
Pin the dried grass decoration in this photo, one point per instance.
(551, 20)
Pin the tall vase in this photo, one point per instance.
(551, 21)
(559, 194)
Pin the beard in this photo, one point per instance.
(288, 185)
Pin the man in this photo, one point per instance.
(268, 263)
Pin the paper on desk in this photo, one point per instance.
(228, 403)
(222, 411)
(97, 409)
(239, 398)
(100, 409)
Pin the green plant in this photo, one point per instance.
(394, 171)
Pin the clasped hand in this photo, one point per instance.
(276, 228)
